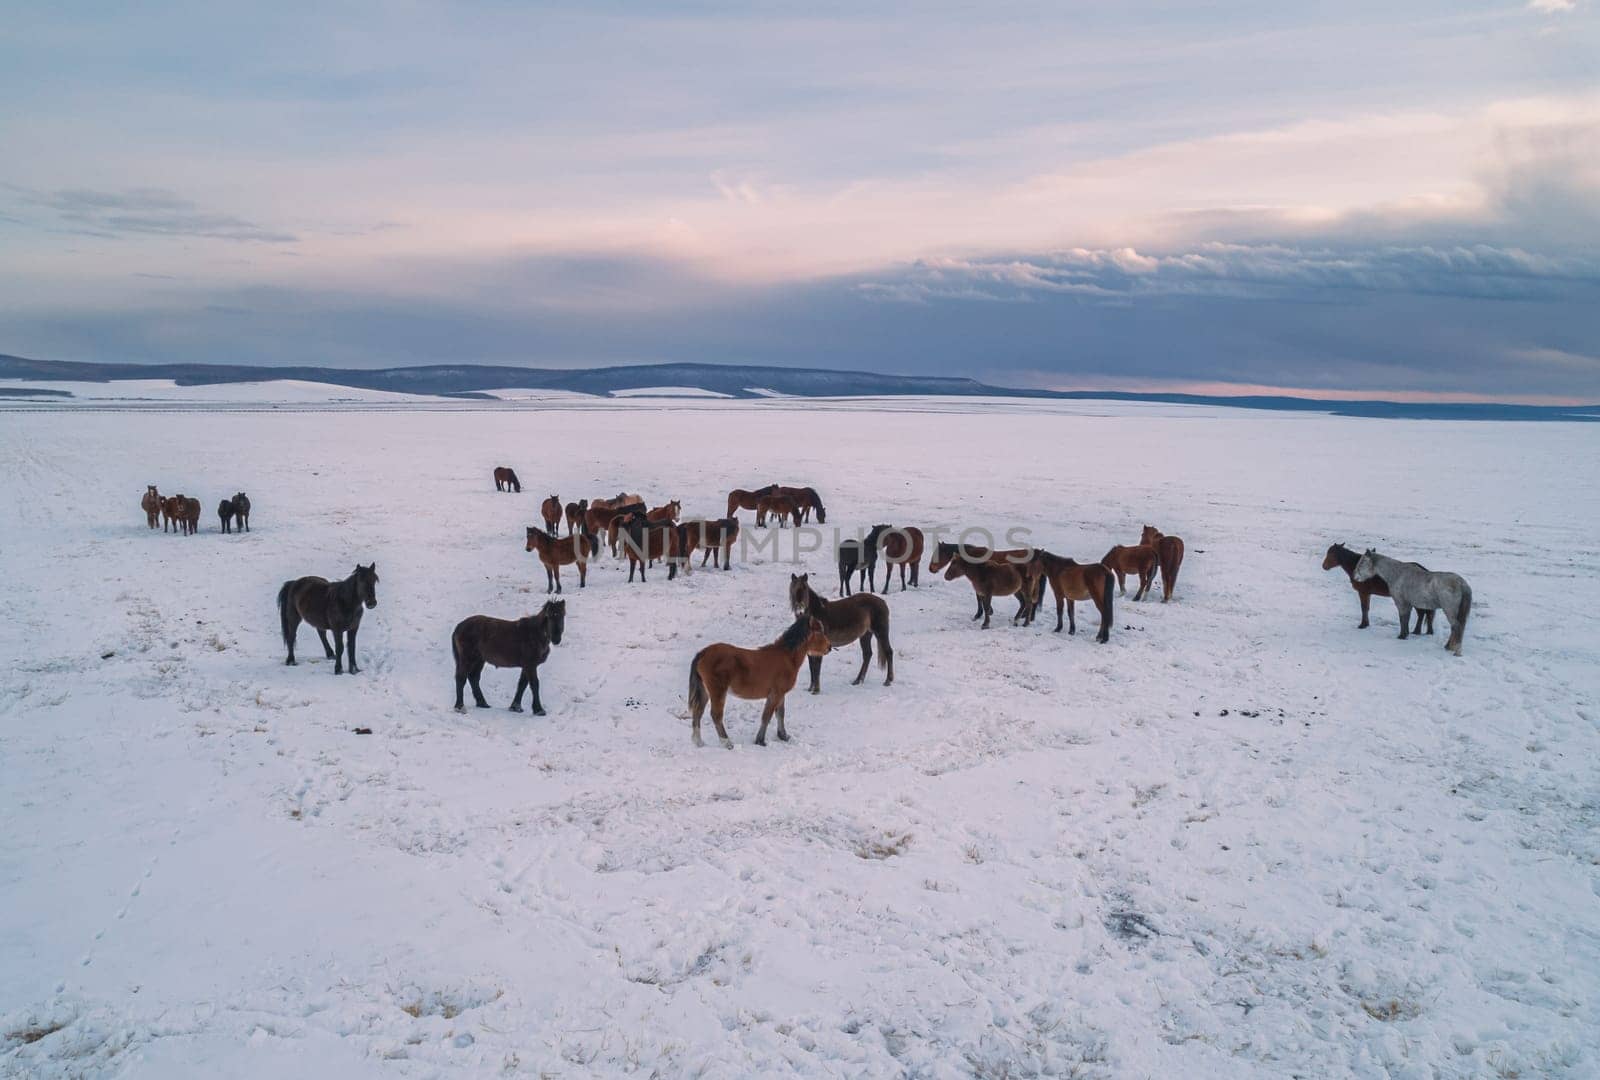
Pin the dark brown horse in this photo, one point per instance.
(991, 579)
(619, 524)
(783, 507)
(1345, 559)
(1169, 555)
(1072, 581)
(555, 554)
(861, 617)
(714, 538)
(944, 553)
(805, 500)
(741, 499)
(329, 605)
(575, 515)
(597, 521)
(191, 515)
(172, 513)
(902, 547)
(764, 674)
(505, 479)
(1140, 559)
(225, 514)
(150, 503)
(521, 643)
(550, 510)
(644, 543)
(241, 511)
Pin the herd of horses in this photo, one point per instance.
(181, 514)
(820, 624)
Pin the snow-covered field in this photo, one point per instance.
(1243, 839)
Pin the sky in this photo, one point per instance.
(1393, 198)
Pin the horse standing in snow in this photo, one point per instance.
(767, 673)
(861, 617)
(1169, 556)
(1415, 586)
(523, 643)
(550, 510)
(329, 605)
(1346, 560)
(151, 505)
(505, 479)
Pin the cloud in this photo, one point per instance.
(1552, 7)
(145, 211)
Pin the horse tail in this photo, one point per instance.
(880, 630)
(283, 611)
(697, 685)
(1171, 560)
(1105, 614)
(1464, 609)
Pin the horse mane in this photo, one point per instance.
(796, 635)
(1347, 558)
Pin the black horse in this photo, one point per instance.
(523, 643)
(860, 558)
(226, 512)
(329, 605)
(241, 511)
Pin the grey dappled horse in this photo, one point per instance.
(1414, 586)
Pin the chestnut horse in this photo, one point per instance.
(714, 537)
(861, 617)
(740, 499)
(328, 605)
(990, 579)
(505, 479)
(1346, 560)
(783, 506)
(1169, 554)
(523, 643)
(805, 500)
(764, 674)
(621, 502)
(665, 513)
(550, 510)
(172, 513)
(555, 554)
(151, 505)
(1072, 581)
(1140, 559)
(575, 515)
(902, 547)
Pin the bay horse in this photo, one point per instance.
(521, 643)
(555, 554)
(764, 674)
(805, 500)
(241, 511)
(225, 513)
(665, 513)
(1169, 556)
(505, 479)
(172, 513)
(782, 506)
(1072, 581)
(1346, 560)
(740, 499)
(597, 521)
(191, 516)
(990, 579)
(1415, 586)
(715, 538)
(150, 503)
(329, 605)
(902, 547)
(575, 515)
(1125, 559)
(943, 553)
(550, 510)
(861, 617)
(644, 543)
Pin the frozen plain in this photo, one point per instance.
(1241, 839)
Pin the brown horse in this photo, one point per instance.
(1169, 554)
(943, 553)
(328, 605)
(1140, 559)
(555, 554)
(550, 510)
(715, 538)
(645, 543)
(990, 579)
(191, 516)
(575, 515)
(740, 499)
(1072, 581)
(1345, 559)
(861, 617)
(622, 501)
(767, 673)
(805, 500)
(172, 513)
(151, 505)
(597, 521)
(523, 643)
(618, 524)
(505, 479)
(241, 511)
(667, 512)
(902, 546)
(784, 507)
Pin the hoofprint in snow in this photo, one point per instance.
(1241, 839)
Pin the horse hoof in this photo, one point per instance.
(461, 708)
(481, 705)
(761, 742)
(538, 712)
(290, 662)
(727, 744)
(514, 708)
(783, 736)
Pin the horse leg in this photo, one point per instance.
(979, 615)
(338, 656)
(1405, 617)
(1430, 620)
(549, 580)
(583, 575)
(556, 573)
(1366, 601)
(291, 630)
(522, 684)
(534, 703)
(815, 663)
(866, 658)
(987, 604)
(326, 648)
(695, 714)
(475, 676)
(783, 732)
(767, 710)
(461, 688)
(1122, 582)
(719, 699)
(351, 633)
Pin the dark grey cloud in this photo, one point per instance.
(141, 211)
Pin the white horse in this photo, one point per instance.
(1415, 586)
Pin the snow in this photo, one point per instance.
(668, 391)
(1243, 839)
(253, 393)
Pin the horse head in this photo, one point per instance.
(555, 619)
(817, 643)
(799, 593)
(367, 584)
